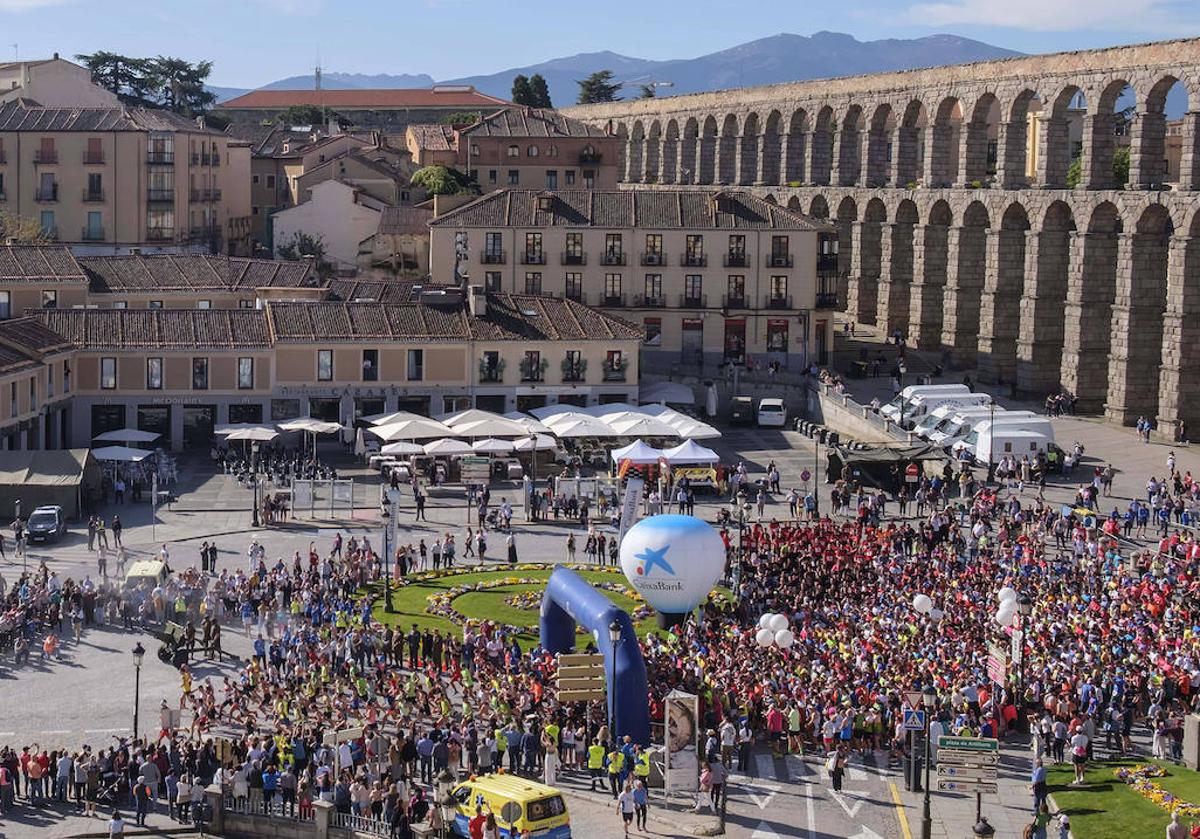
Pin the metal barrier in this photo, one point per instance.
(254, 805)
(323, 498)
(362, 824)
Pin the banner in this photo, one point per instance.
(629, 509)
(682, 768)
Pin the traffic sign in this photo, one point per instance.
(955, 757)
(1018, 637)
(913, 698)
(914, 720)
(969, 744)
(581, 677)
(968, 773)
(805, 475)
(967, 786)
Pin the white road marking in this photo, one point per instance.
(865, 832)
(761, 794)
(57, 731)
(764, 765)
(840, 798)
(764, 831)
(104, 730)
(796, 768)
(812, 811)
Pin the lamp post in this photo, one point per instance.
(928, 699)
(139, 652)
(614, 637)
(817, 475)
(991, 473)
(1025, 608)
(254, 477)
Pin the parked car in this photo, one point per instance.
(772, 413)
(741, 411)
(46, 524)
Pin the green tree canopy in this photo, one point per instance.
(522, 93)
(162, 82)
(598, 87)
(309, 115)
(647, 91)
(22, 230)
(303, 245)
(540, 91)
(440, 180)
(460, 118)
(1120, 169)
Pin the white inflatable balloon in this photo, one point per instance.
(765, 637)
(936, 614)
(1004, 618)
(765, 620)
(784, 638)
(1005, 594)
(922, 603)
(673, 561)
(779, 623)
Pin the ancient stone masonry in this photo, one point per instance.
(949, 187)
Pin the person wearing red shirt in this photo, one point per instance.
(476, 824)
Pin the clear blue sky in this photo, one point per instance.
(252, 42)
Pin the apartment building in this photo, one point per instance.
(390, 109)
(530, 148)
(36, 386)
(53, 82)
(107, 179)
(710, 277)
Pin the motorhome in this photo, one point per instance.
(961, 423)
(904, 399)
(948, 407)
(987, 442)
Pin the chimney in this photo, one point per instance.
(477, 300)
(135, 251)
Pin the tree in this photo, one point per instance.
(598, 87)
(460, 118)
(180, 85)
(303, 245)
(522, 94)
(1120, 169)
(128, 78)
(540, 90)
(309, 115)
(21, 230)
(440, 180)
(647, 91)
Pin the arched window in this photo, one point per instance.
(533, 151)
(552, 151)
(514, 151)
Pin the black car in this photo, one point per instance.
(46, 523)
(741, 411)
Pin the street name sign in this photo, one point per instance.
(967, 786)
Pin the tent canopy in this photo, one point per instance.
(643, 426)
(691, 452)
(492, 446)
(66, 477)
(874, 466)
(637, 452)
(127, 435)
(448, 447)
(402, 448)
(529, 423)
(122, 454)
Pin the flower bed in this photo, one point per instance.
(1138, 779)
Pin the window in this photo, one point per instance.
(569, 177)
(324, 365)
(5, 305)
(254, 210)
(95, 227)
(120, 304)
(254, 179)
(370, 365)
(203, 304)
(573, 286)
(531, 366)
(614, 366)
(551, 179)
(573, 367)
(491, 281)
(49, 380)
(47, 223)
(199, 374)
(108, 373)
(474, 150)
(491, 369)
(154, 374)
(777, 335)
(552, 151)
(95, 187)
(245, 374)
(270, 181)
(693, 290)
(533, 282)
(416, 365)
(492, 175)
(12, 396)
(514, 177)
(779, 291)
(246, 304)
(589, 180)
(612, 287)
(574, 251)
(614, 253)
(533, 151)
(653, 336)
(779, 252)
(735, 294)
(653, 289)
(654, 244)
(533, 248)
(33, 393)
(160, 224)
(155, 304)
(49, 298)
(1, 180)
(694, 250)
(493, 248)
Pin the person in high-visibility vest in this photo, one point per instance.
(641, 764)
(595, 763)
(616, 765)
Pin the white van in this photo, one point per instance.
(892, 409)
(772, 413)
(961, 423)
(939, 408)
(987, 443)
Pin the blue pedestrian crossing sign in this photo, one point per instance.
(914, 720)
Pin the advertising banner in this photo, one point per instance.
(629, 509)
(682, 766)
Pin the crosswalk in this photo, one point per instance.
(765, 766)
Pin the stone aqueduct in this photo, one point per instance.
(952, 233)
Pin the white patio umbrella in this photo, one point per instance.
(643, 427)
(530, 424)
(447, 447)
(539, 442)
(402, 448)
(127, 435)
(710, 401)
(226, 430)
(492, 446)
(675, 393)
(311, 425)
(551, 410)
(608, 408)
(494, 427)
(696, 430)
(389, 418)
(360, 443)
(583, 426)
(262, 435)
(469, 415)
(122, 454)
(555, 420)
(412, 429)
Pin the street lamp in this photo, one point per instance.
(254, 477)
(139, 653)
(614, 637)
(991, 473)
(1025, 607)
(928, 699)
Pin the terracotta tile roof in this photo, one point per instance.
(163, 329)
(401, 220)
(434, 137)
(531, 122)
(366, 99)
(40, 264)
(186, 273)
(509, 317)
(31, 335)
(14, 361)
(21, 115)
(654, 209)
(380, 291)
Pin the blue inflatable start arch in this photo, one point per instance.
(571, 600)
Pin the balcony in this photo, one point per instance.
(779, 260)
(654, 258)
(160, 234)
(736, 260)
(613, 258)
(41, 158)
(779, 302)
(492, 377)
(202, 234)
(613, 300)
(533, 258)
(733, 301)
(493, 257)
(650, 301)
(93, 158)
(827, 263)
(589, 159)
(573, 373)
(204, 159)
(92, 234)
(693, 301)
(50, 233)
(160, 158)
(693, 260)
(46, 195)
(573, 294)
(574, 259)
(93, 196)
(532, 377)
(205, 195)
(160, 195)
(826, 300)
(615, 373)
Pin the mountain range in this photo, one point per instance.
(778, 58)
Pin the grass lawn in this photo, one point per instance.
(410, 601)
(1109, 809)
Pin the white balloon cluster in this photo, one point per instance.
(923, 604)
(1007, 598)
(773, 630)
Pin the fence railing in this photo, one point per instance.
(254, 805)
(362, 824)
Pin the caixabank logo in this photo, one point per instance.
(673, 561)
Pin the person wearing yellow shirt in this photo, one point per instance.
(616, 763)
(595, 763)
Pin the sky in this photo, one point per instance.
(252, 42)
